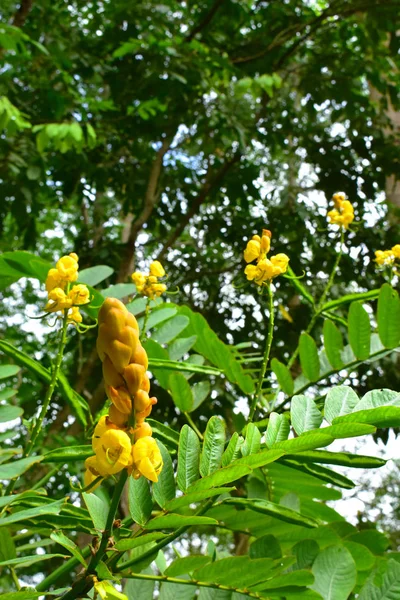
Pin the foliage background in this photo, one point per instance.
(189, 126)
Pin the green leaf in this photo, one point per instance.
(333, 343)
(266, 546)
(304, 414)
(27, 561)
(218, 353)
(384, 416)
(196, 497)
(307, 441)
(347, 430)
(18, 467)
(343, 459)
(260, 459)
(23, 515)
(335, 573)
(98, 510)
(252, 440)
(383, 583)
(181, 392)
(277, 430)
(168, 436)
(305, 552)
(220, 477)
(7, 546)
(359, 331)
(171, 329)
(60, 538)
(376, 398)
(200, 392)
(174, 521)
(232, 451)
(129, 543)
(309, 357)
(68, 454)
(8, 371)
(213, 446)
(389, 316)
(95, 275)
(271, 509)
(283, 376)
(236, 571)
(6, 394)
(140, 588)
(139, 500)
(164, 489)
(340, 400)
(374, 540)
(9, 412)
(159, 315)
(177, 591)
(119, 290)
(320, 472)
(363, 558)
(188, 458)
(185, 565)
(30, 594)
(282, 582)
(181, 346)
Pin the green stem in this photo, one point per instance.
(333, 272)
(45, 478)
(267, 351)
(15, 578)
(193, 425)
(193, 582)
(85, 583)
(39, 422)
(146, 318)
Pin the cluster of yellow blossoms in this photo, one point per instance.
(148, 285)
(61, 296)
(343, 213)
(387, 258)
(122, 439)
(265, 268)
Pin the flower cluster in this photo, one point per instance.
(122, 439)
(148, 285)
(387, 258)
(61, 296)
(343, 213)
(265, 268)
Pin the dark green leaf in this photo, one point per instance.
(333, 344)
(173, 521)
(335, 573)
(164, 489)
(181, 392)
(359, 331)
(185, 565)
(68, 454)
(188, 458)
(304, 414)
(213, 446)
(389, 316)
(283, 376)
(309, 357)
(139, 500)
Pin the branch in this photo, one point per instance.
(207, 19)
(22, 13)
(150, 201)
(208, 185)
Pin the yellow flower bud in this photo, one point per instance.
(396, 251)
(384, 258)
(117, 417)
(141, 401)
(145, 385)
(91, 472)
(142, 430)
(58, 300)
(139, 280)
(107, 305)
(79, 294)
(74, 316)
(54, 280)
(140, 356)
(113, 452)
(120, 398)
(343, 214)
(147, 459)
(110, 374)
(67, 266)
(157, 269)
(74, 256)
(133, 376)
(280, 261)
(142, 415)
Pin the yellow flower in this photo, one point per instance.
(57, 300)
(252, 251)
(79, 294)
(74, 316)
(157, 269)
(285, 314)
(343, 214)
(280, 261)
(384, 258)
(106, 591)
(113, 452)
(102, 426)
(396, 251)
(67, 266)
(154, 290)
(54, 280)
(139, 280)
(147, 459)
